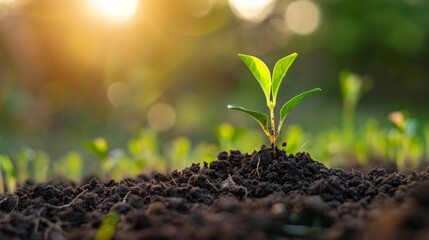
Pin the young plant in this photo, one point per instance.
(270, 86)
(403, 145)
(7, 174)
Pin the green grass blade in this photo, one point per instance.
(260, 71)
(280, 70)
(8, 174)
(98, 147)
(261, 118)
(287, 107)
(107, 229)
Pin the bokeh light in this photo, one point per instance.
(200, 8)
(252, 10)
(302, 17)
(6, 5)
(116, 10)
(118, 93)
(161, 116)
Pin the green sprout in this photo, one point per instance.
(270, 87)
(108, 226)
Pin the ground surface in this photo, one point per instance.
(264, 195)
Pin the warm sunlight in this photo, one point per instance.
(252, 10)
(116, 10)
(6, 1)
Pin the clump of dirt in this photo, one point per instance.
(264, 195)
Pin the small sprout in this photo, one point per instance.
(108, 226)
(98, 147)
(403, 144)
(270, 86)
(398, 119)
(7, 174)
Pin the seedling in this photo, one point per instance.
(270, 87)
(402, 140)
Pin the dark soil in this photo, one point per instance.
(264, 195)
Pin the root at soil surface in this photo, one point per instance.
(237, 196)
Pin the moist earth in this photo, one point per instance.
(264, 195)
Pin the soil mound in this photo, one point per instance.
(264, 195)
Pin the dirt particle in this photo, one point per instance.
(157, 208)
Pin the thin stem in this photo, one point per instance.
(273, 136)
(2, 180)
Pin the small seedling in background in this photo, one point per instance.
(270, 87)
(351, 86)
(426, 140)
(402, 139)
(7, 175)
(70, 166)
(100, 149)
(107, 228)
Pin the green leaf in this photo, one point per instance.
(98, 147)
(280, 70)
(351, 86)
(108, 226)
(7, 165)
(8, 179)
(260, 71)
(261, 118)
(287, 107)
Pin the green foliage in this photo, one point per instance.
(404, 147)
(261, 73)
(22, 161)
(145, 153)
(178, 153)
(145, 149)
(7, 174)
(31, 165)
(426, 137)
(40, 167)
(351, 89)
(108, 226)
(227, 135)
(98, 147)
(70, 166)
(271, 86)
(238, 138)
(280, 70)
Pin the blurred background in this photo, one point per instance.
(82, 74)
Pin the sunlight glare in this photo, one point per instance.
(302, 17)
(200, 8)
(6, 1)
(252, 10)
(116, 10)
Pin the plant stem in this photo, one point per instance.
(2, 180)
(348, 125)
(274, 134)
